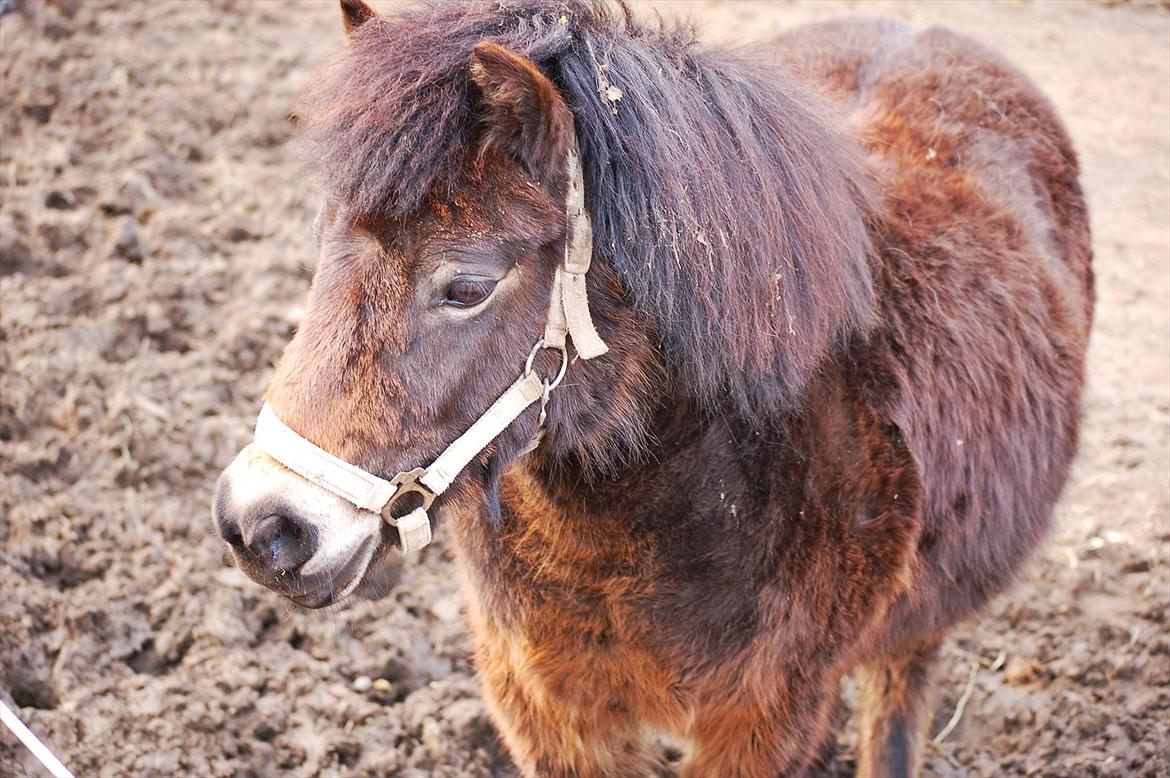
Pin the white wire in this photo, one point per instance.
(32, 743)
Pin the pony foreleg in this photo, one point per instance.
(895, 711)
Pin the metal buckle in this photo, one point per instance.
(546, 390)
(564, 364)
(408, 482)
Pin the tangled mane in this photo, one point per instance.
(733, 212)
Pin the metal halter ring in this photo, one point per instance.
(549, 385)
(407, 483)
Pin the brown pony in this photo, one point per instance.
(845, 281)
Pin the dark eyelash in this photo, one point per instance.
(474, 292)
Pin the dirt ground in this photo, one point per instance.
(154, 257)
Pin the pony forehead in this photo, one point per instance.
(489, 205)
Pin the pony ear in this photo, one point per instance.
(355, 13)
(525, 114)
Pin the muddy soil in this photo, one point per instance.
(154, 257)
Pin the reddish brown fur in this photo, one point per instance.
(355, 13)
(708, 539)
(523, 114)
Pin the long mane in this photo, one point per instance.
(732, 210)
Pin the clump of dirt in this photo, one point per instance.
(154, 256)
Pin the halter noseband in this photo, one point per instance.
(568, 315)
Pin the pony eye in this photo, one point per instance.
(468, 292)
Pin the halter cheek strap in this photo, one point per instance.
(568, 313)
(568, 316)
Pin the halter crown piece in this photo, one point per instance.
(568, 316)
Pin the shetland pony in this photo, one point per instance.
(844, 277)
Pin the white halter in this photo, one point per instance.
(568, 315)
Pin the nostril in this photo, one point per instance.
(283, 543)
(223, 514)
(230, 532)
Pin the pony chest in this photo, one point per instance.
(562, 624)
(575, 668)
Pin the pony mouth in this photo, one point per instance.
(378, 574)
(381, 573)
(386, 564)
(339, 583)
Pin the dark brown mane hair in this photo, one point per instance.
(734, 216)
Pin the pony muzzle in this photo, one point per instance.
(291, 535)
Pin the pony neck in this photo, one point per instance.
(701, 465)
